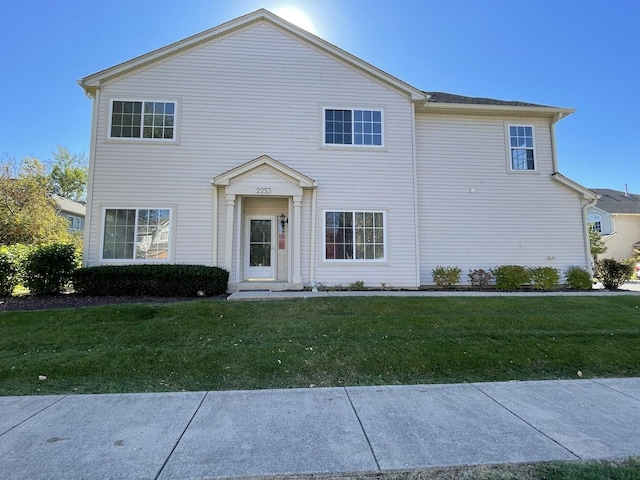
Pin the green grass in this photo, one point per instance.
(211, 345)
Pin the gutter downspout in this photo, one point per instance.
(312, 256)
(416, 213)
(92, 159)
(585, 224)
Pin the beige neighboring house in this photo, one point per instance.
(261, 148)
(617, 217)
(75, 212)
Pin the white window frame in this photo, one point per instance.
(72, 221)
(510, 148)
(595, 222)
(176, 120)
(121, 261)
(354, 260)
(353, 110)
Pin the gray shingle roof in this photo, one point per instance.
(442, 97)
(614, 201)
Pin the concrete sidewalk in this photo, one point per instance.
(629, 288)
(197, 435)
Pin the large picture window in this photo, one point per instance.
(353, 127)
(148, 120)
(356, 236)
(521, 147)
(136, 234)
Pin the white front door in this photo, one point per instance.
(260, 249)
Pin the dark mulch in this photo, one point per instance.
(72, 300)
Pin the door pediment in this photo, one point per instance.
(263, 176)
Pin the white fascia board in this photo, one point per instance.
(586, 193)
(505, 110)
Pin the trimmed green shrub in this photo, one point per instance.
(48, 268)
(544, 278)
(480, 278)
(446, 276)
(578, 278)
(151, 280)
(9, 273)
(613, 273)
(510, 277)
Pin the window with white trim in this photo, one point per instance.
(75, 223)
(595, 222)
(521, 146)
(136, 234)
(146, 120)
(354, 235)
(353, 127)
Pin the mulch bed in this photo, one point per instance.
(71, 300)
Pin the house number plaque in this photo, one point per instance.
(263, 190)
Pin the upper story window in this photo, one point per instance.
(75, 223)
(136, 234)
(148, 120)
(353, 127)
(595, 222)
(521, 147)
(354, 236)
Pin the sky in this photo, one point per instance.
(582, 54)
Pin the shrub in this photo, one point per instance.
(544, 278)
(510, 277)
(446, 276)
(356, 286)
(578, 278)
(613, 273)
(151, 280)
(9, 273)
(48, 268)
(480, 278)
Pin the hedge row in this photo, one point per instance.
(514, 277)
(151, 280)
(53, 268)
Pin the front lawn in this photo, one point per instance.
(211, 345)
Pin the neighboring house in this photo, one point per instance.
(75, 212)
(617, 217)
(263, 149)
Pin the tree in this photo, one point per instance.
(69, 174)
(596, 246)
(27, 212)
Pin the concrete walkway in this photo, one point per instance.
(198, 435)
(632, 287)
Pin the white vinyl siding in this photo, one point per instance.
(474, 214)
(254, 92)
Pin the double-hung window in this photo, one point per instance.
(354, 235)
(521, 147)
(353, 127)
(136, 234)
(143, 119)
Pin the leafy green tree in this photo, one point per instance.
(596, 246)
(27, 212)
(68, 176)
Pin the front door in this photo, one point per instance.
(260, 248)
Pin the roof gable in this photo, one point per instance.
(93, 82)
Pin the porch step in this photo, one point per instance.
(263, 286)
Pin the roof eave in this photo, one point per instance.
(567, 182)
(503, 110)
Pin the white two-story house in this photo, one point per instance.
(261, 148)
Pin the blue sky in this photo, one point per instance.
(582, 54)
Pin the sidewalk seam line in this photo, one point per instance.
(595, 380)
(31, 416)
(164, 464)
(364, 432)
(529, 424)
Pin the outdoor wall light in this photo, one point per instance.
(283, 219)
